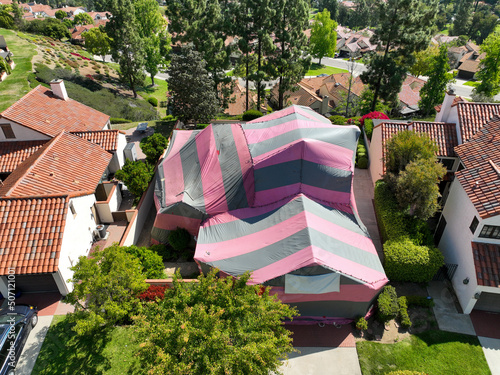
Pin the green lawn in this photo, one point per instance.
(433, 352)
(159, 91)
(316, 69)
(471, 83)
(106, 352)
(16, 84)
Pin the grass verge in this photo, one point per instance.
(317, 69)
(16, 84)
(472, 83)
(107, 352)
(159, 91)
(433, 352)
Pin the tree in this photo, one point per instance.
(55, 29)
(483, 24)
(105, 289)
(423, 60)
(61, 14)
(287, 63)
(97, 42)
(489, 71)
(192, 93)
(127, 47)
(153, 146)
(323, 36)
(136, 176)
(404, 28)
(417, 187)
(83, 19)
(330, 5)
(433, 91)
(462, 21)
(6, 20)
(214, 326)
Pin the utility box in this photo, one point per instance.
(129, 152)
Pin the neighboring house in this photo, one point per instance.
(468, 232)
(304, 96)
(237, 104)
(409, 96)
(49, 215)
(97, 16)
(443, 39)
(354, 43)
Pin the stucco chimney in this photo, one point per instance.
(324, 105)
(443, 114)
(58, 89)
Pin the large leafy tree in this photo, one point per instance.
(287, 63)
(192, 92)
(153, 147)
(105, 289)
(127, 46)
(489, 72)
(330, 5)
(97, 42)
(214, 326)
(423, 61)
(462, 21)
(483, 24)
(323, 36)
(433, 91)
(405, 27)
(83, 19)
(136, 176)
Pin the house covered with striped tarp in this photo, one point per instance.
(274, 197)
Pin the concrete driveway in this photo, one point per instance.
(324, 361)
(33, 345)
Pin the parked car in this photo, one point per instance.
(16, 324)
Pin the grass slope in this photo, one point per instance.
(106, 352)
(159, 91)
(433, 352)
(317, 69)
(16, 84)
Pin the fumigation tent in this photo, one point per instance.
(274, 197)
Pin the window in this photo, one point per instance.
(490, 231)
(439, 230)
(473, 225)
(72, 208)
(447, 163)
(7, 131)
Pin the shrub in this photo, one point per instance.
(368, 128)
(405, 261)
(153, 147)
(153, 293)
(151, 262)
(361, 324)
(179, 239)
(362, 162)
(136, 176)
(251, 114)
(361, 158)
(338, 120)
(403, 312)
(419, 301)
(168, 118)
(153, 101)
(354, 121)
(116, 120)
(388, 307)
(163, 251)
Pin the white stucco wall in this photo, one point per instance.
(22, 133)
(456, 242)
(122, 142)
(375, 154)
(112, 204)
(77, 236)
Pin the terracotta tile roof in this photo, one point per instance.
(14, 153)
(457, 100)
(481, 176)
(77, 31)
(42, 111)
(472, 116)
(469, 66)
(302, 96)
(107, 139)
(66, 164)
(410, 91)
(313, 83)
(238, 100)
(31, 234)
(40, 8)
(487, 263)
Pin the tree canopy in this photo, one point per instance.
(83, 19)
(97, 42)
(214, 326)
(153, 146)
(489, 71)
(136, 176)
(323, 36)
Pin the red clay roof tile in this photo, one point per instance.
(487, 263)
(14, 153)
(107, 139)
(472, 116)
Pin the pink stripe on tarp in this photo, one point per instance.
(350, 292)
(260, 135)
(274, 115)
(173, 185)
(251, 242)
(211, 173)
(353, 200)
(265, 197)
(315, 255)
(326, 195)
(245, 162)
(171, 222)
(315, 151)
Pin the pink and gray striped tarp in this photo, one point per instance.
(274, 197)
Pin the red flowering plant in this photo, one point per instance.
(373, 115)
(153, 293)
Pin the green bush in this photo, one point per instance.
(368, 128)
(388, 307)
(361, 155)
(405, 261)
(354, 121)
(169, 118)
(151, 262)
(153, 101)
(179, 239)
(361, 324)
(419, 301)
(115, 120)
(338, 120)
(403, 312)
(362, 162)
(165, 252)
(405, 372)
(251, 114)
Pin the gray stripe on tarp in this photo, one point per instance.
(296, 242)
(184, 210)
(232, 175)
(338, 309)
(277, 121)
(344, 137)
(302, 171)
(191, 170)
(238, 228)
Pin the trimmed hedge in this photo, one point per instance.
(116, 120)
(361, 154)
(368, 128)
(179, 239)
(406, 261)
(338, 120)
(403, 312)
(361, 324)
(153, 101)
(388, 307)
(150, 261)
(251, 114)
(406, 372)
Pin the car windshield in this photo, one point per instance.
(6, 319)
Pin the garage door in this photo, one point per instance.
(36, 283)
(488, 302)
